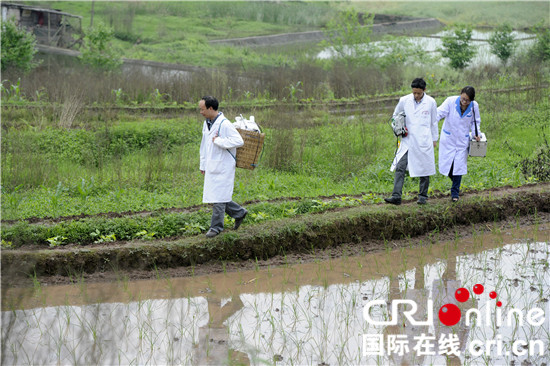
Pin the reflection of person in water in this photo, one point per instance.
(443, 292)
(403, 328)
(212, 347)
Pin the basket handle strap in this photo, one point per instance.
(256, 155)
(219, 127)
(257, 148)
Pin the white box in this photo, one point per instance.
(478, 148)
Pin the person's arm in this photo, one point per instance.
(203, 152)
(400, 107)
(434, 122)
(443, 110)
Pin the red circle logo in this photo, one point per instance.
(478, 289)
(449, 314)
(462, 294)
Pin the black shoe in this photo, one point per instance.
(393, 200)
(239, 221)
(211, 233)
(422, 201)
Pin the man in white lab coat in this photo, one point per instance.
(218, 150)
(416, 151)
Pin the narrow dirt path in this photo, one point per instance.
(366, 228)
(436, 195)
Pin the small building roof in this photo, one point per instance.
(34, 8)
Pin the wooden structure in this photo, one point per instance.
(50, 27)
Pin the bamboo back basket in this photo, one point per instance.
(248, 156)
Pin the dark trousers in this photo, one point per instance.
(233, 209)
(400, 171)
(456, 179)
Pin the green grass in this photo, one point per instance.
(519, 14)
(213, 20)
(178, 32)
(148, 164)
(160, 224)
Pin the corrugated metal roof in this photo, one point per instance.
(33, 8)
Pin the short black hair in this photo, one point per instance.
(210, 101)
(418, 83)
(470, 92)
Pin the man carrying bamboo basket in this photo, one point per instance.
(219, 144)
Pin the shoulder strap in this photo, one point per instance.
(219, 127)
(474, 114)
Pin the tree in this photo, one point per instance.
(502, 43)
(541, 48)
(97, 50)
(457, 48)
(17, 47)
(347, 37)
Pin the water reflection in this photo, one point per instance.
(316, 319)
(432, 44)
(144, 332)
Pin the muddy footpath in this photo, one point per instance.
(364, 229)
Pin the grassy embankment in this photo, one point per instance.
(371, 224)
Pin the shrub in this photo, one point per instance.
(502, 43)
(457, 48)
(17, 48)
(347, 37)
(541, 48)
(97, 50)
(538, 167)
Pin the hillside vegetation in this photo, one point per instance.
(178, 32)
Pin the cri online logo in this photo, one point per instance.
(449, 314)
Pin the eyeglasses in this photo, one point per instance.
(465, 100)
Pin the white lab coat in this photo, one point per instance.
(455, 138)
(422, 126)
(217, 162)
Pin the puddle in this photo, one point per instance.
(303, 314)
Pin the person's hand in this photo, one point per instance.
(478, 138)
(435, 143)
(202, 172)
(213, 138)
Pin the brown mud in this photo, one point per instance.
(342, 265)
(334, 234)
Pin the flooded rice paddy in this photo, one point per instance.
(308, 314)
(433, 43)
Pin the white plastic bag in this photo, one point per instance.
(246, 124)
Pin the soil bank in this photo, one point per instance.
(365, 228)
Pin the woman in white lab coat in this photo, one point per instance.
(460, 113)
